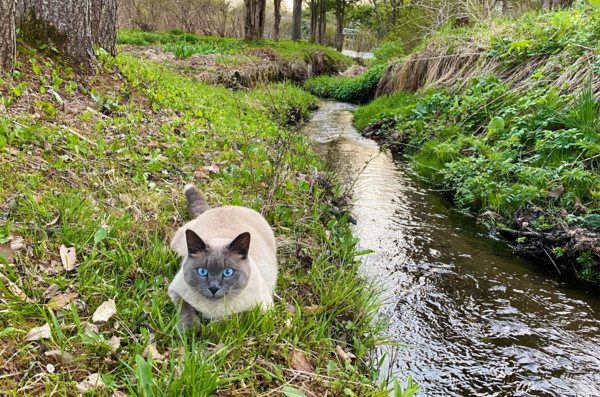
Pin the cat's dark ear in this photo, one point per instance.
(240, 245)
(194, 242)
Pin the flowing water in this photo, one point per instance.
(478, 320)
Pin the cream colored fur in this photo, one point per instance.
(217, 227)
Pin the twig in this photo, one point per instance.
(551, 260)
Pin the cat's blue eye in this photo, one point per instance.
(202, 271)
(228, 272)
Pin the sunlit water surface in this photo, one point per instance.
(478, 320)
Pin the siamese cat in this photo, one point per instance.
(229, 261)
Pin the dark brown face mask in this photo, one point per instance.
(215, 272)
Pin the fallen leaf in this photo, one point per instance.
(58, 357)
(92, 382)
(213, 168)
(557, 192)
(68, 257)
(53, 221)
(38, 333)
(564, 212)
(17, 243)
(150, 351)
(311, 309)
(104, 312)
(90, 329)
(290, 308)
(118, 393)
(201, 173)
(51, 267)
(114, 343)
(580, 207)
(166, 145)
(47, 146)
(61, 300)
(341, 353)
(50, 291)
(299, 362)
(15, 290)
(152, 145)
(7, 253)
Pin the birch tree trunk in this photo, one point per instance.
(104, 25)
(66, 24)
(8, 42)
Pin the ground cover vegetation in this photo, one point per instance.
(232, 62)
(505, 116)
(358, 89)
(92, 168)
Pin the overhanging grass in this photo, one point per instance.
(107, 180)
(358, 89)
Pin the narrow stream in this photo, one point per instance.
(478, 320)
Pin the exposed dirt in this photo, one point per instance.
(256, 66)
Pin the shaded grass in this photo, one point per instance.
(107, 180)
(358, 89)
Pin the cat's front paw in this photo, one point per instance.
(188, 322)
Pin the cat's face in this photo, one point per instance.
(215, 272)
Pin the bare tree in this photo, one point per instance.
(297, 20)
(8, 44)
(254, 21)
(277, 16)
(340, 10)
(104, 25)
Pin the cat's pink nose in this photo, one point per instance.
(213, 289)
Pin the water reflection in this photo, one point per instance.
(479, 321)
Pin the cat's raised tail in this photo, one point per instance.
(195, 200)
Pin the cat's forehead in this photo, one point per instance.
(215, 259)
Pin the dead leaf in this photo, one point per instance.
(38, 333)
(90, 328)
(291, 309)
(557, 192)
(114, 343)
(309, 179)
(58, 357)
(166, 145)
(118, 393)
(51, 267)
(580, 207)
(92, 382)
(104, 312)
(150, 351)
(152, 145)
(299, 362)
(47, 146)
(563, 212)
(50, 291)
(213, 168)
(53, 221)
(311, 309)
(17, 243)
(7, 253)
(341, 353)
(61, 300)
(68, 257)
(15, 290)
(201, 173)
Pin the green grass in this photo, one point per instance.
(185, 45)
(358, 89)
(107, 180)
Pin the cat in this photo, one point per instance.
(229, 264)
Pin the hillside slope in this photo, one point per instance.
(505, 117)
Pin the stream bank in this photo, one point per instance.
(477, 319)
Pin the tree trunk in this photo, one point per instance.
(104, 25)
(251, 20)
(314, 17)
(322, 21)
(277, 15)
(262, 8)
(66, 24)
(339, 17)
(297, 20)
(8, 42)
